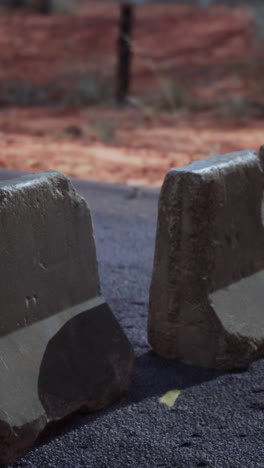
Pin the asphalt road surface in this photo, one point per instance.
(218, 418)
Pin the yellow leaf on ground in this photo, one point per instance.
(170, 397)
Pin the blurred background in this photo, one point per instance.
(122, 92)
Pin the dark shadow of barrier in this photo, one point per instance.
(152, 377)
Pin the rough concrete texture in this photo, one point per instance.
(207, 289)
(217, 421)
(61, 349)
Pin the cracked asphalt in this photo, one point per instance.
(218, 419)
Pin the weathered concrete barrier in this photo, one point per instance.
(207, 291)
(61, 349)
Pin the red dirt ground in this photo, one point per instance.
(211, 53)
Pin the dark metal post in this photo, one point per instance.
(124, 51)
(41, 6)
(45, 7)
(16, 4)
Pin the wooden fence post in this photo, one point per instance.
(124, 52)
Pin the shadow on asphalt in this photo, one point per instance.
(152, 377)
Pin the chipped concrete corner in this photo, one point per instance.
(61, 349)
(207, 290)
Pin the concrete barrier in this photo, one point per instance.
(61, 349)
(207, 291)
